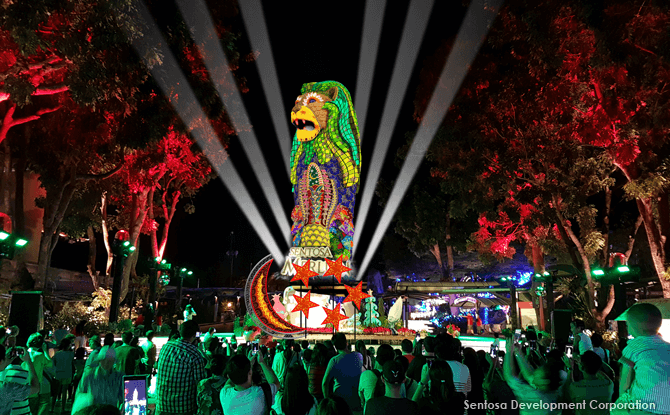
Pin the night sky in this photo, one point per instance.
(304, 50)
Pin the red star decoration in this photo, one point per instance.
(304, 304)
(356, 295)
(303, 273)
(334, 316)
(336, 268)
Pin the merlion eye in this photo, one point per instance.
(311, 100)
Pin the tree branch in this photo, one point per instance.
(51, 90)
(631, 239)
(100, 176)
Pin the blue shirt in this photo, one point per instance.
(345, 369)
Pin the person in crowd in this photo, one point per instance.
(397, 352)
(98, 410)
(370, 379)
(127, 356)
(79, 366)
(149, 352)
(371, 353)
(414, 372)
(407, 349)
(480, 327)
(367, 361)
(102, 384)
(429, 344)
(209, 390)
(80, 338)
(539, 386)
(306, 359)
(597, 342)
(284, 360)
(343, 374)
(11, 336)
(109, 339)
(239, 395)
(60, 334)
(496, 390)
(333, 406)
(209, 334)
(295, 398)
(593, 387)
(436, 391)
(189, 313)
(476, 394)
(496, 340)
(14, 373)
(180, 368)
(582, 341)
(64, 363)
(304, 345)
(645, 361)
(317, 369)
(409, 386)
(211, 350)
(393, 376)
(471, 323)
(95, 344)
(39, 355)
(332, 352)
(450, 351)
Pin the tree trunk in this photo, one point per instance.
(631, 238)
(450, 249)
(606, 227)
(138, 214)
(657, 236)
(6, 180)
(105, 236)
(92, 245)
(538, 268)
(435, 250)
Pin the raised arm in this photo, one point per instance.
(269, 374)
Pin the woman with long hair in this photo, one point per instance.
(367, 360)
(317, 369)
(295, 399)
(438, 381)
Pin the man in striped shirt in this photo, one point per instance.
(180, 367)
(645, 362)
(16, 383)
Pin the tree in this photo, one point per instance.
(371, 312)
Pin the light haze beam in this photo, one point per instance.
(372, 30)
(152, 49)
(254, 22)
(197, 17)
(415, 27)
(471, 35)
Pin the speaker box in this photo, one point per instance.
(560, 326)
(26, 312)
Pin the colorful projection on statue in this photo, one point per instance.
(325, 174)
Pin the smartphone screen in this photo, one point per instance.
(500, 359)
(517, 335)
(568, 351)
(135, 395)
(254, 348)
(197, 334)
(494, 351)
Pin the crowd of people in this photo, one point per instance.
(434, 375)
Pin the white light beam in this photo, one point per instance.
(175, 86)
(415, 27)
(197, 17)
(372, 30)
(254, 22)
(471, 35)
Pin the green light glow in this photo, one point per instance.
(183, 270)
(157, 259)
(126, 243)
(598, 272)
(623, 268)
(164, 261)
(3, 235)
(190, 273)
(21, 242)
(132, 248)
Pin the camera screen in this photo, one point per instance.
(135, 395)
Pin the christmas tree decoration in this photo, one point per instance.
(333, 316)
(303, 273)
(371, 314)
(336, 268)
(304, 304)
(356, 295)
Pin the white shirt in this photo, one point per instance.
(462, 380)
(651, 380)
(248, 402)
(528, 396)
(188, 315)
(584, 343)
